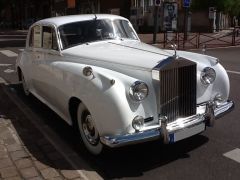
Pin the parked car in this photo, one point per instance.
(95, 73)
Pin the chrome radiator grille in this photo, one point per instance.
(178, 89)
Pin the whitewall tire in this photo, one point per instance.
(88, 130)
(24, 86)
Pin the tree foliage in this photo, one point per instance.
(2, 4)
(228, 6)
(5, 3)
(232, 6)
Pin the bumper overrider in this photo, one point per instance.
(174, 131)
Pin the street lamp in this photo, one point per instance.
(157, 4)
(186, 5)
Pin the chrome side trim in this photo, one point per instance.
(156, 132)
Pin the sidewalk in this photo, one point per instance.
(24, 152)
(223, 38)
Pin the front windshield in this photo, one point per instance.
(76, 33)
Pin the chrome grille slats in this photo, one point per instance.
(178, 89)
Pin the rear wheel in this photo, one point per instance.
(88, 130)
(24, 85)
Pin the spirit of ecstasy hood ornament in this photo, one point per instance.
(174, 47)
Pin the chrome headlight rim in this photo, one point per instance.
(208, 76)
(138, 91)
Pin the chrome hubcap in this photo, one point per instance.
(89, 130)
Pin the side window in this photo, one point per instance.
(49, 38)
(35, 37)
(55, 44)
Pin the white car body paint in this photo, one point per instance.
(54, 77)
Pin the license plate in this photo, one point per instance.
(186, 132)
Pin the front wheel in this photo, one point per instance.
(88, 130)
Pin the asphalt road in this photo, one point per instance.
(199, 157)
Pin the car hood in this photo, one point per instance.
(130, 53)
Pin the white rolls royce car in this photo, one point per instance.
(95, 73)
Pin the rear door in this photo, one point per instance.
(48, 76)
(42, 65)
(32, 54)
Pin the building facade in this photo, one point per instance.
(22, 13)
(66, 7)
(143, 13)
(170, 13)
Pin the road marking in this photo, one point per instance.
(9, 53)
(8, 71)
(234, 155)
(2, 81)
(21, 49)
(13, 35)
(233, 72)
(5, 65)
(4, 40)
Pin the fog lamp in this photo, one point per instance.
(138, 123)
(219, 99)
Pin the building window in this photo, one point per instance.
(71, 3)
(146, 5)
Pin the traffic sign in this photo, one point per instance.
(186, 3)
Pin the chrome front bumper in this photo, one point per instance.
(181, 126)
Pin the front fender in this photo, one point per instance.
(221, 84)
(108, 102)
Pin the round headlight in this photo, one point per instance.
(138, 91)
(138, 123)
(208, 76)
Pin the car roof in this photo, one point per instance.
(60, 20)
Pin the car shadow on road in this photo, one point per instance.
(34, 146)
(131, 161)
(134, 161)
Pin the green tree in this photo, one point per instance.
(2, 4)
(228, 6)
(232, 7)
(5, 3)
